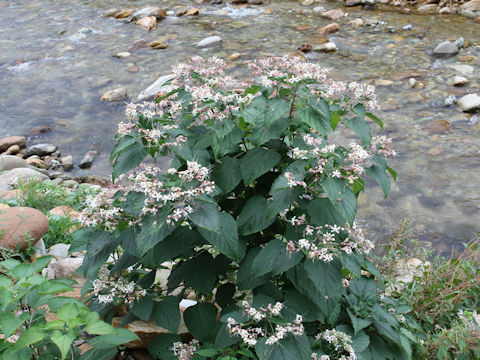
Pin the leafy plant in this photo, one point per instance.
(59, 230)
(45, 195)
(257, 207)
(444, 294)
(36, 324)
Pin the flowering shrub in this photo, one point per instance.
(257, 208)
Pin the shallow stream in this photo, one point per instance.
(56, 61)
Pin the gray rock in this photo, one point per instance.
(473, 5)
(469, 14)
(39, 248)
(88, 159)
(41, 149)
(67, 162)
(144, 12)
(111, 12)
(8, 162)
(445, 49)
(65, 268)
(156, 87)
(59, 250)
(118, 94)
(427, 8)
(327, 47)
(407, 27)
(57, 181)
(469, 102)
(450, 100)
(460, 42)
(353, 2)
(458, 81)
(211, 40)
(12, 177)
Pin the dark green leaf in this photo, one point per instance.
(290, 348)
(130, 157)
(143, 308)
(63, 341)
(226, 174)
(246, 279)
(206, 216)
(358, 323)
(342, 197)
(375, 119)
(360, 127)
(380, 177)
(274, 259)
(257, 162)
(161, 347)
(326, 277)
(322, 212)
(296, 303)
(154, 229)
(201, 321)
(166, 313)
(226, 240)
(254, 216)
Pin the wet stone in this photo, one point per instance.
(118, 94)
(41, 149)
(437, 126)
(211, 40)
(7, 142)
(450, 100)
(88, 159)
(330, 28)
(469, 102)
(445, 49)
(334, 14)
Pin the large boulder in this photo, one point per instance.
(5, 143)
(149, 11)
(473, 5)
(22, 226)
(9, 162)
(12, 177)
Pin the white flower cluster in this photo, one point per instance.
(100, 210)
(324, 242)
(288, 69)
(187, 185)
(250, 334)
(340, 343)
(185, 351)
(110, 289)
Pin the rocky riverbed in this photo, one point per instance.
(70, 67)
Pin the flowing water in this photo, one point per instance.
(56, 61)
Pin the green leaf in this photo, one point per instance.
(380, 177)
(179, 241)
(262, 134)
(154, 230)
(198, 272)
(68, 311)
(226, 174)
(246, 279)
(201, 321)
(318, 116)
(206, 216)
(32, 336)
(80, 239)
(63, 341)
(392, 172)
(296, 303)
(358, 323)
(55, 286)
(119, 337)
(166, 313)
(226, 240)
(121, 145)
(290, 348)
(342, 197)
(322, 212)
(128, 158)
(274, 258)
(207, 352)
(254, 112)
(387, 332)
(360, 127)
(375, 119)
(24, 270)
(54, 325)
(257, 162)
(326, 277)
(224, 338)
(143, 308)
(161, 347)
(100, 328)
(9, 323)
(100, 246)
(254, 216)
